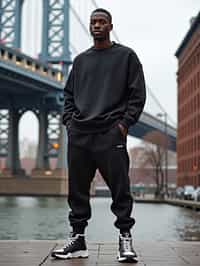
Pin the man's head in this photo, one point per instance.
(100, 24)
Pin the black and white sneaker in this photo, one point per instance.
(126, 252)
(74, 248)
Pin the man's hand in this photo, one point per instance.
(123, 129)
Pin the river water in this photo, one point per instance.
(46, 218)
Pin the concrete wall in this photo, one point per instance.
(52, 185)
(33, 186)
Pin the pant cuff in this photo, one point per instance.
(78, 230)
(125, 231)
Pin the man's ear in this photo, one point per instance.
(111, 27)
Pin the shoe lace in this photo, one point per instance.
(70, 241)
(126, 242)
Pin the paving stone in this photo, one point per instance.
(37, 253)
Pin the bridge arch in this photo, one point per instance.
(28, 144)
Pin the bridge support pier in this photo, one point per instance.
(13, 166)
(42, 159)
(51, 145)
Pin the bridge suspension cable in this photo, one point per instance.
(79, 20)
(160, 106)
(74, 50)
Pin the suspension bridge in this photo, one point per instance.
(35, 83)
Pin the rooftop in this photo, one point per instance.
(194, 25)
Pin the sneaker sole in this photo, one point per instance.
(77, 254)
(128, 258)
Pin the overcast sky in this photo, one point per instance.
(154, 29)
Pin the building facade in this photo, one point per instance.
(188, 133)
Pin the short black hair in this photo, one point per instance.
(103, 11)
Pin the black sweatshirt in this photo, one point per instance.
(104, 87)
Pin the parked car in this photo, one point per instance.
(179, 192)
(196, 194)
(188, 191)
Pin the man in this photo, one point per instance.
(104, 96)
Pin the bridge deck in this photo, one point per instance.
(151, 253)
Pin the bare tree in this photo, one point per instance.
(152, 154)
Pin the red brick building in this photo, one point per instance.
(188, 79)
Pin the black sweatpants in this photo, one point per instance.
(107, 152)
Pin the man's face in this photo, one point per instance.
(100, 26)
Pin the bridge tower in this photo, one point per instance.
(55, 50)
(10, 22)
(55, 39)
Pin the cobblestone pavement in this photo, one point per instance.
(151, 253)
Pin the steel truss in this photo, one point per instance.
(10, 22)
(4, 129)
(55, 42)
(53, 133)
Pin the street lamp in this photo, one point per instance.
(166, 150)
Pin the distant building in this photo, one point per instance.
(188, 79)
(27, 148)
(141, 176)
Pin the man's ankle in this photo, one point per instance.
(125, 233)
(78, 231)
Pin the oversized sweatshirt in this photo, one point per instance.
(105, 87)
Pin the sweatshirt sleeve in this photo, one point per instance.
(136, 92)
(69, 106)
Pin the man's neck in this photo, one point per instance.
(102, 44)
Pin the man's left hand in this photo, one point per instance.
(123, 129)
